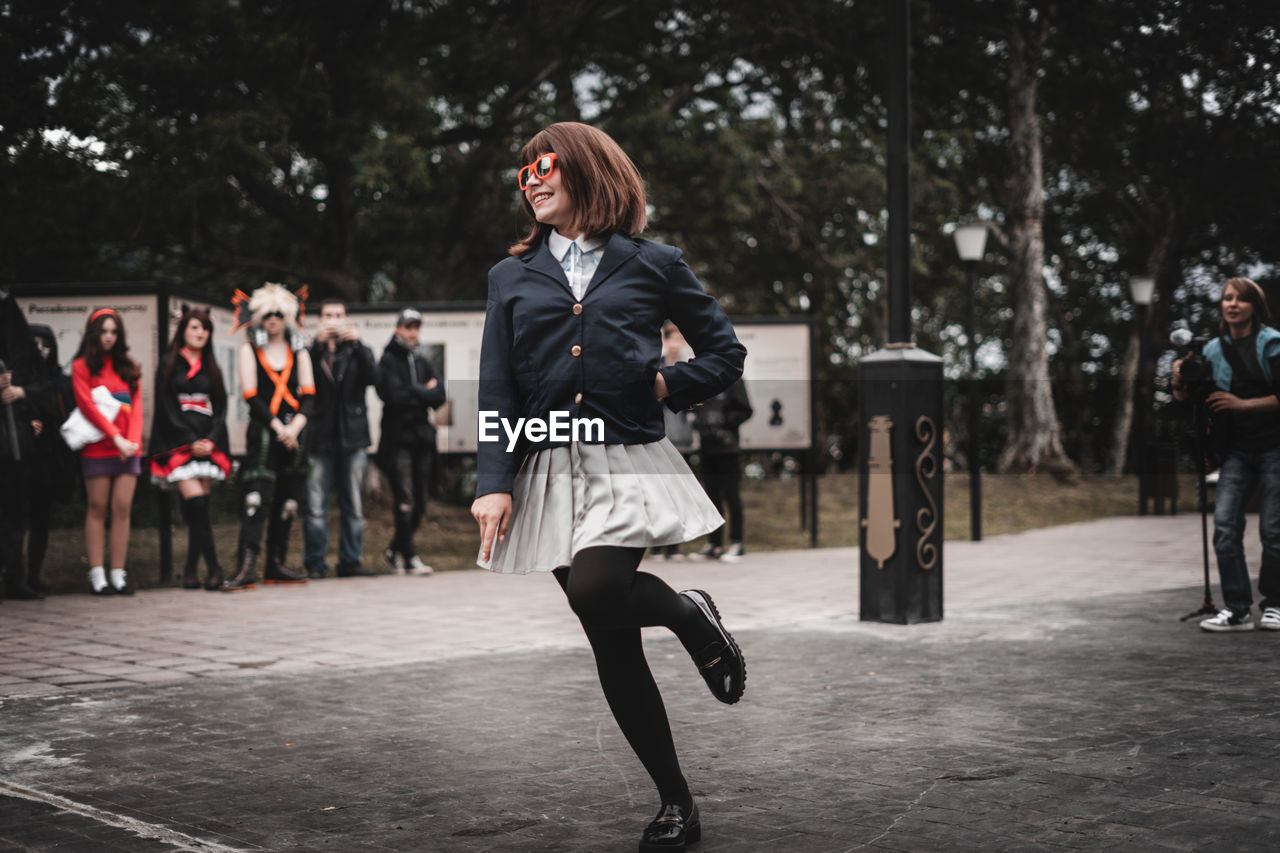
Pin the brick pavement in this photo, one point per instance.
(1059, 706)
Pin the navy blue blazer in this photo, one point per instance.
(544, 351)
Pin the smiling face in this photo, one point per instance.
(1237, 312)
(195, 335)
(551, 202)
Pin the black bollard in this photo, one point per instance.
(900, 486)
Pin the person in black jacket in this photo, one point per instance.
(716, 422)
(410, 389)
(189, 443)
(54, 466)
(25, 398)
(339, 443)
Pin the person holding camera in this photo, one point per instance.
(1244, 366)
(339, 445)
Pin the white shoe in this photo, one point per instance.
(1228, 621)
(733, 554)
(1270, 620)
(415, 566)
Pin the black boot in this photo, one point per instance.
(277, 544)
(33, 582)
(245, 577)
(190, 578)
(16, 588)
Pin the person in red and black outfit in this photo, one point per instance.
(279, 386)
(189, 437)
(111, 465)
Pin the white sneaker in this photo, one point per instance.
(1270, 620)
(415, 566)
(1228, 621)
(733, 554)
(394, 560)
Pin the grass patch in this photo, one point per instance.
(448, 539)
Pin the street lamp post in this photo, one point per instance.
(1142, 289)
(971, 241)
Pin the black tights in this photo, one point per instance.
(614, 601)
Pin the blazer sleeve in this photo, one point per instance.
(737, 405)
(718, 354)
(496, 468)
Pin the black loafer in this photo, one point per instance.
(720, 662)
(672, 829)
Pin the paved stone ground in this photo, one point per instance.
(1060, 705)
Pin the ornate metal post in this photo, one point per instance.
(900, 403)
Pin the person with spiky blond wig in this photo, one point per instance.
(279, 388)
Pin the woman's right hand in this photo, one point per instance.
(493, 513)
(126, 448)
(201, 448)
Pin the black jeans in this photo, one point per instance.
(13, 520)
(410, 475)
(272, 479)
(721, 474)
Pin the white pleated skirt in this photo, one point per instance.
(581, 496)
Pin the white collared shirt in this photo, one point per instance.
(580, 264)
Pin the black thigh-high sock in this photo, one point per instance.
(606, 590)
(614, 601)
(202, 544)
(637, 706)
(194, 533)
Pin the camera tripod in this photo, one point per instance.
(1199, 438)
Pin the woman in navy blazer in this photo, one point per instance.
(573, 336)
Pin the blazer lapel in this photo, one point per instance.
(617, 252)
(541, 260)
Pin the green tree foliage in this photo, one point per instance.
(369, 149)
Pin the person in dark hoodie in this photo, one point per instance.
(54, 465)
(410, 389)
(25, 399)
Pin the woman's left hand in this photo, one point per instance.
(201, 448)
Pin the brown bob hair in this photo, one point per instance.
(604, 185)
(1247, 290)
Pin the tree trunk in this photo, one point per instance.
(1123, 424)
(1033, 432)
(1164, 220)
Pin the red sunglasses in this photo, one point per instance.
(542, 168)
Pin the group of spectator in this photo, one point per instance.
(308, 429)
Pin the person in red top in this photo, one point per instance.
(111, 465)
